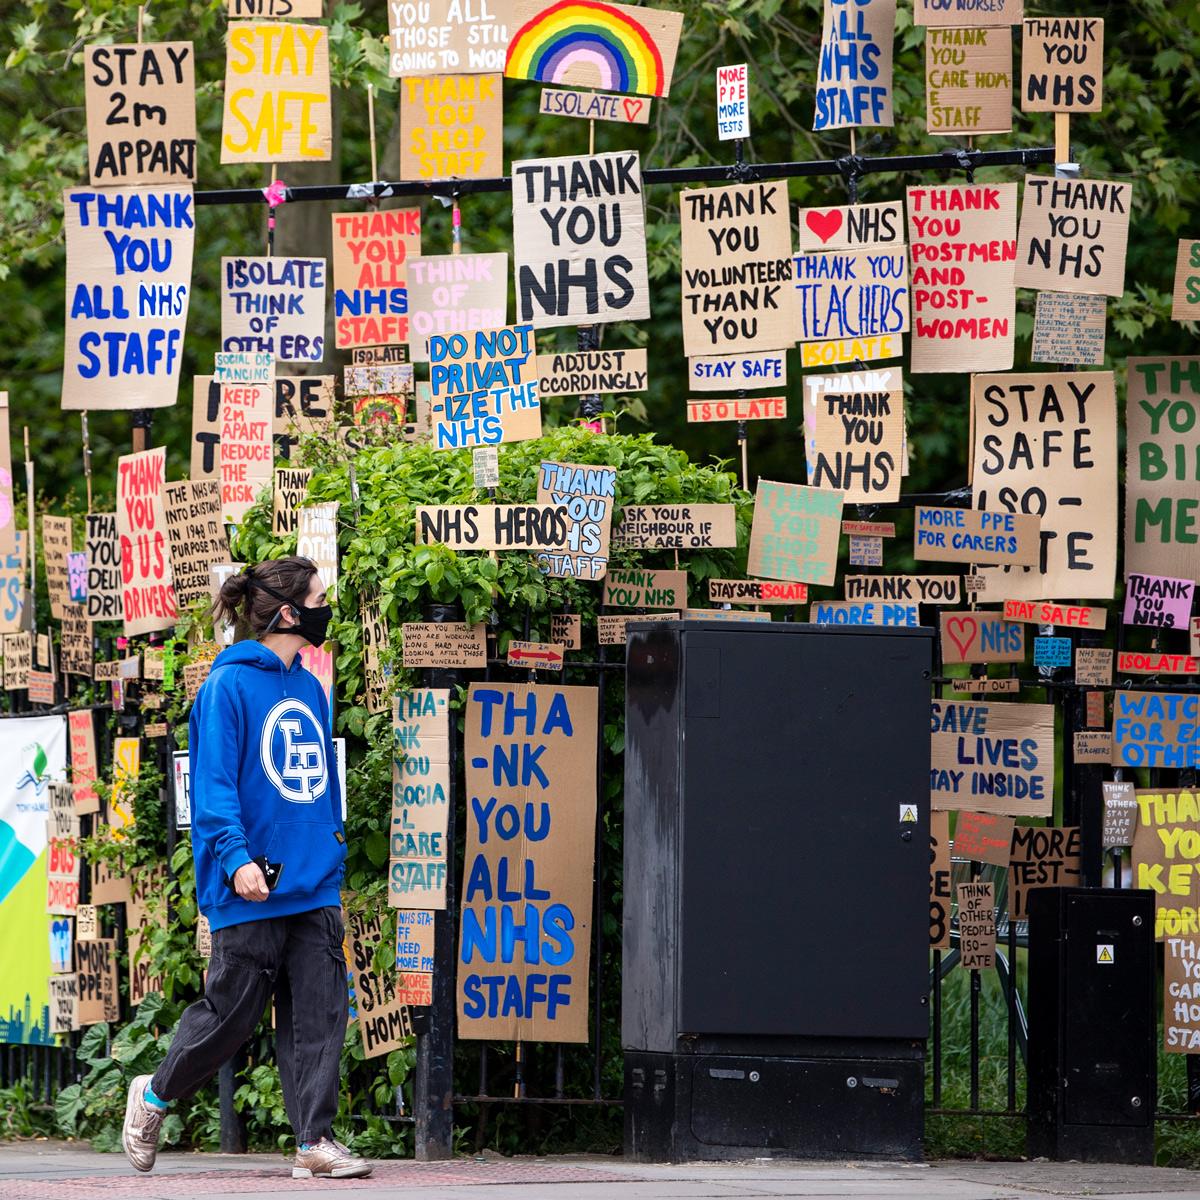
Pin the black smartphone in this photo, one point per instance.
(271, 873)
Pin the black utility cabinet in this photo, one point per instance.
(776, 920)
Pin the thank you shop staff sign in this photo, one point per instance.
(527, 894)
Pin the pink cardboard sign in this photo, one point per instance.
(1158, 600)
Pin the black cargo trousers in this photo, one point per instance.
(301, 958)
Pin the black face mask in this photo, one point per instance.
(312, 624)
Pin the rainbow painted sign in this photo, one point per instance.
(593, 44)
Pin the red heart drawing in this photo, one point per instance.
(824, 225)
(632, 108)
(968, 627)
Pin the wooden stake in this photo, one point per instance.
(591, 136)
(371, 128)
(31, 536)
(745, 444)
(853, 142)
(141, 20)
(87, 458)
(1062, 137)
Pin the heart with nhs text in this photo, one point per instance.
(824, 225)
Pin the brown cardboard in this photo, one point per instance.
(857, 445)
(794, 536)
(983, 837)
(123, 346)
(1062, 64)
(275, 306)
(613, 631)
(1181, 1013)
(451, 126)
(536, 656)
(962, 240)
(548, 843)
(578, 218)
(383, 1025)
(205, 460)
(637, 588)
(1047, 442)
(969, 535)
(567, 630)
(993, 757)
(84, 767)
(247, 382)
(1093, 666)
(1185, 303)
(554, 50)
(56, 545)
(1154, 662)
(1042, 856)
(494, 526)
(863, 612)
(738, 294)
(595, 106)
(8, 538)
(203, 936)
(444, 644)
(1162, 442)
(861, 293)
(18, 660)
(391, 381)
(987, 687)
(291, 485)
(1073, 235)
(746, 372)
(277, 100)
(1093, 746)
(1166, 857)
(722, 614)
(76, 647)
(304, 407)
(846, 227)
(454, 293)
(1120, 814)
(375, 642)
(676, 527)
(915, 589)
(148, 600)
(755, 591)
(1069, 328)
(879, 529)
(939, 881)
(371, 251)
(963, 14)
(1046, 612)
(86, 923)
(592, 372)
(855, 47)
(1094, 710)
(41, 687)
(197, 536)
(448, 36)
(64, 1003)
(143, 979)
(296, 9)
(317, 539)
(968, 80)
(141, 112)
(980, 637)
(103, 550)
(194, 674)
(588, 493)
(746, 408)
(97, 974)
(976, 925)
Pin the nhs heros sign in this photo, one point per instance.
(854, 76)
(527, 896)
(129, 274)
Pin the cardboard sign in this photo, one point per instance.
(1047, 443)
(495, 526)
(18, 660)
(963, 240)
(858, 445)
(939, 881)
(1042, 856)
(725, 372)
(485, 387)
(677, 527)
(755, 591)
(1044, 612)
(1093, 666)
(247, 383)
(1069, 328)
(1161, 602)
(614, 631)
(1185, 303)
(967, 13)
(721, 614)
(1162, 444)
(1073, 235)
(854, 76)
(1051, 652)
(420, 799)
(375, 642)
(595, 106)
(980, 637)
(733, 102)
(274, 305)
(977, 925)
(141, 113)
(566, 629)
(383, 1024)
(596, 44)
(129, 272)
(592, 372)
(86, 923)
(1062, 61)
(864, 612)
(968, 81)
(148, 600)
(1139, 662)
(853, 226)
(531, 813)
(1181, 991)
(317, 539)
(858, 294)
(84, 768)
(444, 644)
(103, 549)
(993, 758)
(794, 536)
(1166, 857)
(536, 656)
(381, 379)
(866, 551)
(1120, 815)
(277, 101)
(579, 240)
(447, 36)
(76, 647)
(56, 545)
(64, 1003)
(1092, 746)
(645, 589)
(915, 589)
(879, 529)
(451, 127)
(983, 837)
(303, 408)
(1156, 729)
(371, 253)
(454, 293)
(588, 494)
(96, 961)
(758, 408)
(987, 687)
(969, 535)
(197, 536)
(289, 491)
(737, 294)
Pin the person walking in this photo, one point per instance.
(269, 847)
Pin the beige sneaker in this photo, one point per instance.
(329, 1160)
(143, 1121)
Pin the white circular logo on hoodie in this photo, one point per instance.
(292, 752)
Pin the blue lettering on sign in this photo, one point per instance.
(1051, 652)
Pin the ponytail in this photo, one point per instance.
(252, 609)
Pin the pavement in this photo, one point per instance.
(44, 1170)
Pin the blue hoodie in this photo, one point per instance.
(264, 782)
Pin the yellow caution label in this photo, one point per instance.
(1104, 954)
